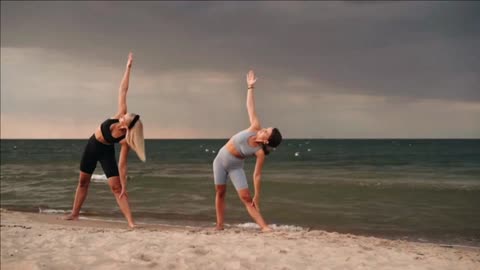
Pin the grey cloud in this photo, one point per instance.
(416, 49)
(402, 51)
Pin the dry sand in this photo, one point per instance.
(39, 241)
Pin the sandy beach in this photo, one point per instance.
(39, 241)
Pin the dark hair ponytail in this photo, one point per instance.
(266, 149)
(274, 141)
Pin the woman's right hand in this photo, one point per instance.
(130, 60)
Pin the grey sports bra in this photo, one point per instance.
(240, 140)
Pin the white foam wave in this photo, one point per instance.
(55, 211)
(52, 211)
(289, 228)
(99, 178)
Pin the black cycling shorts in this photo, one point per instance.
(97, 151)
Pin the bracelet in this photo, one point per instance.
(250, 87)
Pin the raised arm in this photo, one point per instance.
(257, 177)
(122, 92)
(122, 167)
(254, 122)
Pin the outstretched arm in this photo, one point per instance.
(122, 92)
(122, 167)
(257, 177)
(254, 122)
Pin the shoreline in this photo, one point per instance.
(40, 241)
(203, 224)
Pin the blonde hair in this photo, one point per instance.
(136, 141)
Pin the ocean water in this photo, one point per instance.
(424, 190)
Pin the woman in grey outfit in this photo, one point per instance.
(253, 141)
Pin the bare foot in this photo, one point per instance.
(70, 217)
(219, 228)
(132, 225)
(267, 229)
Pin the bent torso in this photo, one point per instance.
(230, 145)
(115, 133)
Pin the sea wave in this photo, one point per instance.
(53, 211)
(277, 227)
(99, 178)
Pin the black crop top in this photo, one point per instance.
(107, 134)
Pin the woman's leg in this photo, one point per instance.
(116, 187)
(80, 195)
(239, 180)
(220, 179)
(87, 167)
(245, 197)
(220, 191)
(110, 167)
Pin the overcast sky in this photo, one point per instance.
(328, 69)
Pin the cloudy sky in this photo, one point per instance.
(341, 69)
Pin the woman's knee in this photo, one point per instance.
(115, 185)
(84, 180)
(245, 196)
(220, 191)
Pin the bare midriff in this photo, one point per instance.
(115, 133)
(231, 148)
(99, 136)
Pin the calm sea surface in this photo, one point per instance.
(426, 190)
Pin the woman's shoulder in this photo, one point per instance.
(252, 129)
(244, 131)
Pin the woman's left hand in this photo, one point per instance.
(124, 192)
(256, 202)
(130, 60)
(251, 79)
